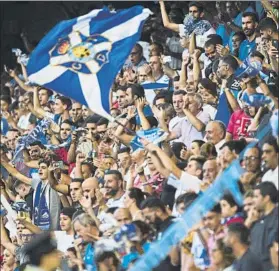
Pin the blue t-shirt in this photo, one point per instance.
(4, 126)
(246, 48)
(147, 112)
(89, 258)
(127, 259)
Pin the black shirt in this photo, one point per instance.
(248, 262)
(165, 265)
(261, 233)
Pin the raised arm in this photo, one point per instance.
(165, 18)
(140, 103)
(15, 173)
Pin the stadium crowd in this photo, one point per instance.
(81, 193)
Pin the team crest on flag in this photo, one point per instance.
(80, 58)
(80, 53)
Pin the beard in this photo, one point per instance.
(112, 192)
(248, 32)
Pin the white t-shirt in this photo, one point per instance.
(210, 110)
(186, 183)
(116, 203)
(64, 241)
(23, 121)
(271, 176)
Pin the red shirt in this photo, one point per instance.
(238, 124)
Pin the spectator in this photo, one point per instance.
(270, 159)
(238, 239)
(265, 200)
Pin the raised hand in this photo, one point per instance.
(80, 158)
(86, 203)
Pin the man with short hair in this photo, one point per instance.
(77, 117)
(155, 213)
(266, 227)
(249, 25)
(210, 171)
(136, 58)
(193, 126)
(124, 163)
(122, 216)
(121, 97)
(75, 191)
(44, 95)
(157, 70)
(215, 134)
(270, 155)
(238, 239)
(114, 188)
(178, 102)
(268, 29)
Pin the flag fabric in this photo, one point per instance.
(223, 109)
(248, 69)
(80, 58)
(155, 135)
(150, 89)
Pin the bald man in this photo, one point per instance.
(123, 216)
(89, 186)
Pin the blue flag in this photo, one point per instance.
(80, 58)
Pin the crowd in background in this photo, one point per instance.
(81, 193)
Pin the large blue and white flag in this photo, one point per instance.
(80, 58)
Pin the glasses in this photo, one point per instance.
(193, 11)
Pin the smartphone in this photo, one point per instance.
(275, 43)
(58, 164)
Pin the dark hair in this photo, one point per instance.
(228, 257)
(163, 94)
(215, 65)
(268, 189)
(49, 92)
(199, 142)
(137, 90)
(216, 39)
(72, 249)
(182, 165)
(139, 47)
(65, 101)
(6, 99)
(253, 15)
(210, 86)
(137, 195)
(13, 106)
(210, 42)
(179, 92)
(153, 202)
(44, 161)
(68, 121)
(123, 150)
(153, 122)
(230, 200)
(196, 4)
(267, 23)
(102, 121)
(143, 227)
(240, 34)
(235, 145)
(216, 209)
(159, 46)
(116, 173)
(187, 199)
(257, 54)
(231, 61)
(37, 143)
(241, 231)
(92, 119)
(177, 147)
(200, 160)
(106, 255)
(272, 142)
